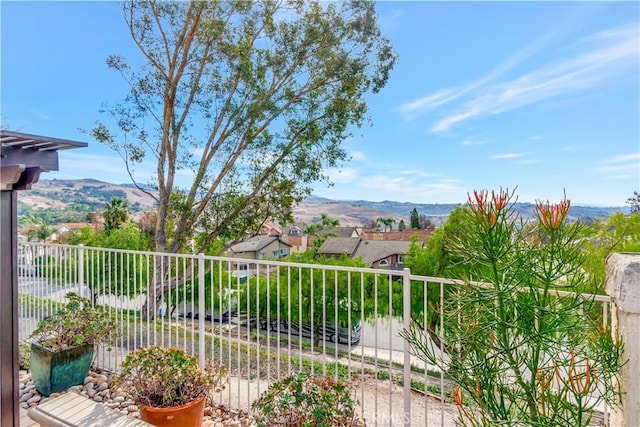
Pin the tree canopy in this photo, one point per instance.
(252, 99)
(634, 202)
(116, 213)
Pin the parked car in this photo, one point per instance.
(328, 332)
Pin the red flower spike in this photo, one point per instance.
(456, 393)
(481, 200)
(552, 216)
(493, 218)
(500, 199)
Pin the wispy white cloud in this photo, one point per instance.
(623, 158)
(39, 113)
(618, 177)
(343, 175)
(420, 106)
(468, 142)
(539, 137)
(507, 156)
(567, 148)
(621, 166)
(406, 188)
(602, 57)
(417, 173)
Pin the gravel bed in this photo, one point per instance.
(97, 386)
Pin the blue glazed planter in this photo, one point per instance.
(56, 371)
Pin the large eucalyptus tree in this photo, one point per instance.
(253, 99)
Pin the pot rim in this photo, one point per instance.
(173, 408)
(44, 347)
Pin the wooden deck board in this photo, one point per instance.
(25, 421)
(72, 409)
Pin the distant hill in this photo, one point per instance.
(91, 195)
(439, 212)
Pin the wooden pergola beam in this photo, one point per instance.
(22, 158)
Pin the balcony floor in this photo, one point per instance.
(25, 421)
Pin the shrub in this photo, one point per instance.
(77, 322)
(163, 377)
(525, 348)
(300, 400)
(24, 355)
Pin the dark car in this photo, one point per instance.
(326, 332)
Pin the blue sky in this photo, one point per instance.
(540, 95)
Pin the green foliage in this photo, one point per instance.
(273, 99)
(401, 225)
(414, 219)
(127, 236)
(116, 213)
(318, 229)
(24, 355)
(215, 223)
(317, 226)
(301, 400)
(113, 272)
(76, 212)
(163, 377)
(436, 259)
(221, 288)
(78, 322)
(306, 295)
(522, 353)
(634, 202)
(425, 222)
(45, 266)
(619, 233)
(388, 223)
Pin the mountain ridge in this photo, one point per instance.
(92, 194)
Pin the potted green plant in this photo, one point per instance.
(304, 400)
(168, 385)
(63, 344)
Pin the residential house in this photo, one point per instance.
(260, 247)
(271, 230)
(383, 253)
(336, 246)
(336, 232)
(375, 253)
(405, 235)
(65, 230)
(295, 236)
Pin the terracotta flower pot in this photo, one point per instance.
(187, 415)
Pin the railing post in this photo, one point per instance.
(201, 313)
(81, 270)
(623, 285)
(406, 317)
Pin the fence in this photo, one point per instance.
(264, 319)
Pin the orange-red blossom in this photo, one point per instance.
(456, 393)
(485, 209)
(552, 215)
(580, 381)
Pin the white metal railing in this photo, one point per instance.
(264, 319)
